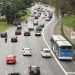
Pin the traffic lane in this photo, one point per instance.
(44, 64)
(68, 66)
(24, 62)
(9, 33)
(5, 50)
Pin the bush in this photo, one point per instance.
(20, 13)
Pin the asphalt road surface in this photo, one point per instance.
(48, 66)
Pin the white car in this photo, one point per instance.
(26, 52)
(45, 52)
(35, 22)
(47, 18)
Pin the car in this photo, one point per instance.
(42, 25)
(37, 33)
(26, 33)
(19, 27)
(14, 39)
(15, 73)
(3, 34)
(35, 22)
(47, 18)
(32, 15)
(38, 28)
(34, 70)
(17, 32)
(43, 16)
(45, 52)
(36, 17)
(26, 52)
(16, 23)
(11, 59)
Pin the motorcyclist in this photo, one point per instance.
(26, 21)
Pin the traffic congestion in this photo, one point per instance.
(26, 50)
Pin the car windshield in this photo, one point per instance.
(34, 68)
(46, 51)
(10, 56)
(28, 49)
(66, 47)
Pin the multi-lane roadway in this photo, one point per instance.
(48, 66)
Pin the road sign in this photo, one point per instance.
(72, 35)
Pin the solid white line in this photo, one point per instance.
(52, 51)
(71, 73)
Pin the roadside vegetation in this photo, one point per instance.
(14, 9)
(4, 26)
(69, 21)
(3, 23)
(28, 13)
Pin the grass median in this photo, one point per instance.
(4, 26)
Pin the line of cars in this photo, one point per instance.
(45, 52)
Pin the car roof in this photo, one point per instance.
(9, 56)
(18, 25)
(34, 66)
(13, 36)
(26, 48)
(44, 49)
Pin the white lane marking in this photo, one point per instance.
(41, 62)
(25, 71)
(71, 73)
(45, 71)
(52, 51)
(6, 72)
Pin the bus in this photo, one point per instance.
(30, 26)
(61, 47)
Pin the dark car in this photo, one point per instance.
(42, 25)
(17, 32)
(34, 70)
(37, 33)
(3, 34)
(14, 39)
(19, 27)
(27, 33)
(17, 22)
(14, 73)
(36, 17)
(38, 28)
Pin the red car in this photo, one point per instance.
(36, 17)
(18, 32)
(10, 59)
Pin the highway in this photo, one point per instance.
(48, 66)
